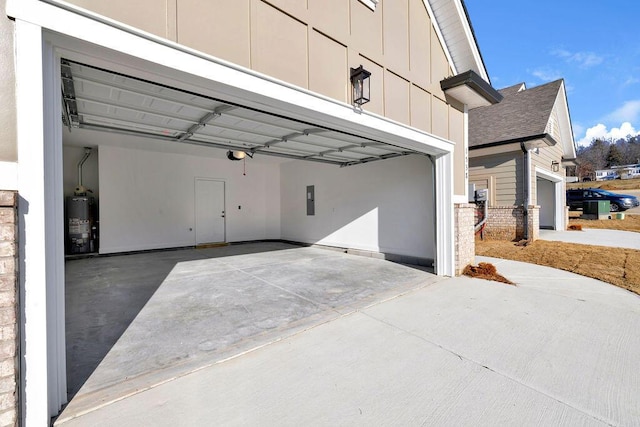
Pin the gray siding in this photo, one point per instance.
(543, 160)
(502, 174)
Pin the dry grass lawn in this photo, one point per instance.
(618, 266)
(629, 223)
(616, 184)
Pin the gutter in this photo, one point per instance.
(525, 188)
(548, 141)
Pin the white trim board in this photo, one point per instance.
(560, 197)
(9, 175)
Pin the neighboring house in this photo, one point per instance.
(519, 149)
(618, 172)
(166, 93)
(607, 174)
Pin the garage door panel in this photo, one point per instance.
(103, 100)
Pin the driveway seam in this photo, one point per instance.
(508, 377)
(319, 305)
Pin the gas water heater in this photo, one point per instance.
(81, 225)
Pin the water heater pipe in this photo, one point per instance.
(87, 153)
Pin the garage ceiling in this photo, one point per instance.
(103, 100)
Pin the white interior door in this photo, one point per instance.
(210, 212)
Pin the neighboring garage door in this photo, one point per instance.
(547, 202)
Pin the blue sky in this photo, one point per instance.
(593, 45)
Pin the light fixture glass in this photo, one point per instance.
(555, 166)
(236, 155)
(361, 86)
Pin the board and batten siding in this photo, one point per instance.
(502, 174)
(312, 44)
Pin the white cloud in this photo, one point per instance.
(629, 112)
(583, 59)
(547, 74)
(577, 129)
(601, 131)
(630, 81)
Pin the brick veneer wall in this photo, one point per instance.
(507, 223)
(464, 236)
(8, 310)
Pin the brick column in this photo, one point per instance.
(464, 214)
(8, 310)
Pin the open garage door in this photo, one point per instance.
(102, 100)
(152, 183)
(212, 106)
(145, 201)
(546, 193)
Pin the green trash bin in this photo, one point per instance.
(596, 207)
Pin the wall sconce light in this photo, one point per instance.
(555, 166)
(361, 86)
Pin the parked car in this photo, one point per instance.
(619, 202)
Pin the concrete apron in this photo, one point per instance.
(137, 321)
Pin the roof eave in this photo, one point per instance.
(452, 19)
(532, 141)
(471, 89)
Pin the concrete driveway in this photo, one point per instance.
(557, 349)
(634, 211)
(594, 236)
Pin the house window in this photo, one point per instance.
(371, 4)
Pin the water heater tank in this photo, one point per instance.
(80, 224)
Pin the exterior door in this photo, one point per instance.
(210, 211)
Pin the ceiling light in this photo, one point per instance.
(236, 155)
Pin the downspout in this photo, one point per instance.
(525, 190)
(485, 216)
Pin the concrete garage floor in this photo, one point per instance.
(135, 321)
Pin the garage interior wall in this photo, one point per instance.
(147, 198)
(71, 156)
(384, 206)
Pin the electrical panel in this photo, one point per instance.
(311, 200)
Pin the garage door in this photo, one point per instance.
(103, 100)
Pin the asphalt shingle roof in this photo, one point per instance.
(518, 116)
(508, 91)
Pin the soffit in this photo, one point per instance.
(103, 100)
(457, 33)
